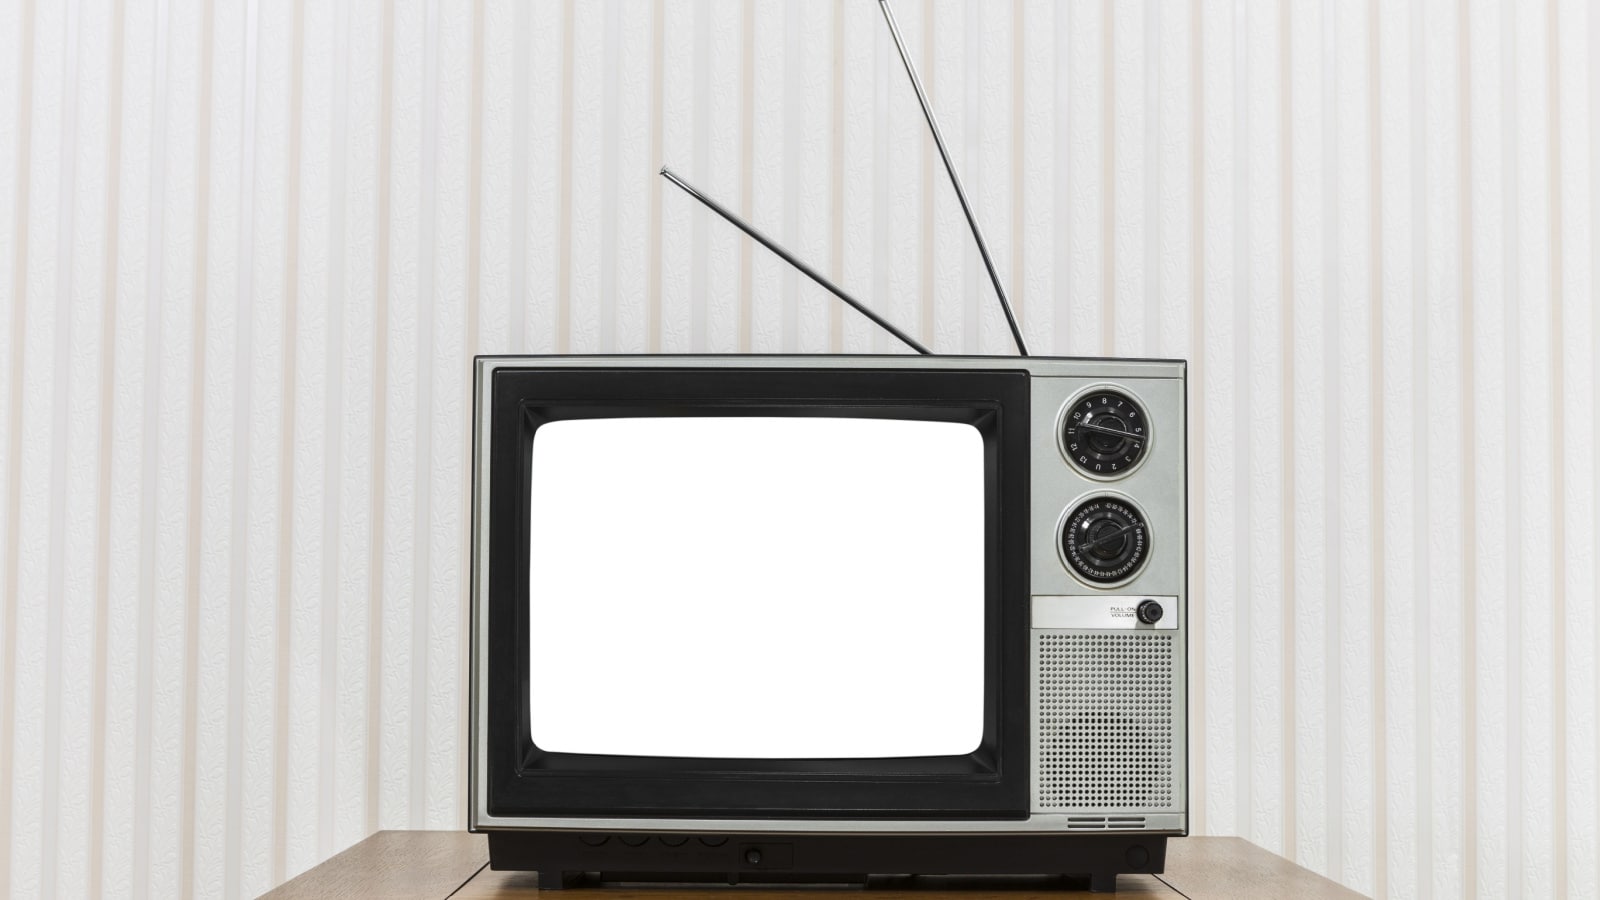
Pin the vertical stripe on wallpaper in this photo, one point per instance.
(1109, 220)
(1365, 840)
(220, 502)
(1035, 176)
(654, 275)
(247, 251)
(1198, 366)
(836, 177)
(763, 188)
(336, 666)
(745, 163)
(955, 293)
(1574, 27)
(1212, 393)
(65, 464)
(194, 528)
(898, 183)
(355, 346)
(1483, 186)
(454, 309)
(426, 253)
(18, 147)
(1397, 293)
(292, 476)
(377, 614)
(1558, 542)
(94, 845)
(1310, 285)
(471, 341)
(931, 170)
(1082, 288)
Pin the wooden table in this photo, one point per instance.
(434, 865)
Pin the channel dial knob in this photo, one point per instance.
(1104, 433)
(1104, 540)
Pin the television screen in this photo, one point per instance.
(756, 587)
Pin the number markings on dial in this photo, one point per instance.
(1105, 540)
(1105, 434)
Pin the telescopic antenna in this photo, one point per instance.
(792, 260)
(961, 193)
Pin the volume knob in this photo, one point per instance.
(1149, 612)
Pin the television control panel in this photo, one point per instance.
(1109, 593)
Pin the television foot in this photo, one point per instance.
(1103, 882)
(555, 880)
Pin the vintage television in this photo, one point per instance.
(791, 618)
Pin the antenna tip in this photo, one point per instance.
(664, 170)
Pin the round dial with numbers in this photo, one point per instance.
(1104, 433)
(1105, 540)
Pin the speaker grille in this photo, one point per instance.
(1105, 721)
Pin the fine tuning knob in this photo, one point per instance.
(1104, 540)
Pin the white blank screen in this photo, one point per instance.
(757, 587)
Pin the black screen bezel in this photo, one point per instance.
(526, 781)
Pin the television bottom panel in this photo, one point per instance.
(571, 859)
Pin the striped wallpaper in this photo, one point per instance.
(247, 249)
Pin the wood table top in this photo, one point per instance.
(435, 865)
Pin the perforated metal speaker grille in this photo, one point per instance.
(1105, 721)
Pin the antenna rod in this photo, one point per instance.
(792, 260)
(961, 193)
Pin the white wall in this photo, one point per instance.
(246, 250)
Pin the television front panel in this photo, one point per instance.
(830, 614)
